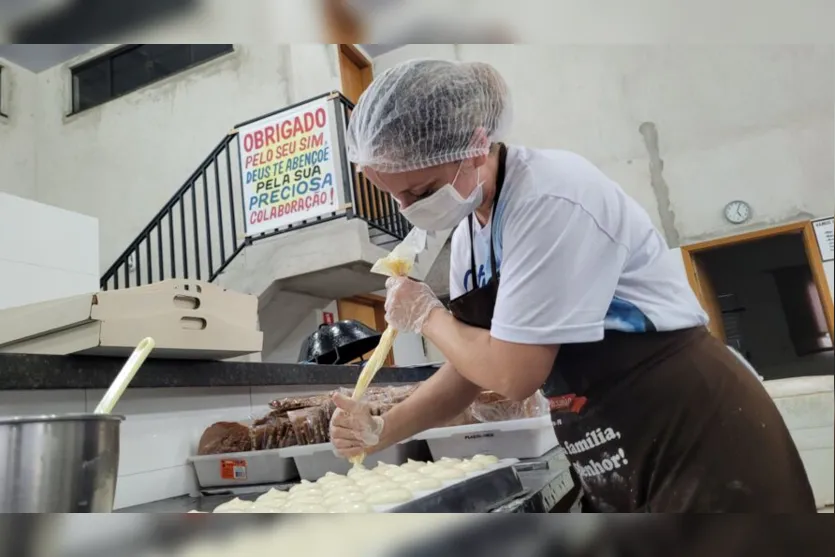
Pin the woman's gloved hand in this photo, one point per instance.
(353, 429)
(409, 303)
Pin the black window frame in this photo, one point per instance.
(106, 61)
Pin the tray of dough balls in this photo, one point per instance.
(477, 484)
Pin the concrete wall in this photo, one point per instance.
(121, 161)
(17, 130)
(732, 122)
(45, 252)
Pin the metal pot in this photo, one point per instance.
(59, 464)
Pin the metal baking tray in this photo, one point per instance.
(479, 494)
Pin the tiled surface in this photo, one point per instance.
(146, 487)
(27, 403)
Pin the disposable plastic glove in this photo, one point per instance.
(353, 429)
(409, 303)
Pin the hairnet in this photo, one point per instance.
(424, 113)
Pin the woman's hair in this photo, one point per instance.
(424, 113)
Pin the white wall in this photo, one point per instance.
(121, 161)
(17, 129)
(45, 252)
(288, 350)
(734, 122)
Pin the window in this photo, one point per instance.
(133, 66)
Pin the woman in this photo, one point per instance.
(560, 281)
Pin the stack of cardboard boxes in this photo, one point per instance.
(186, 319)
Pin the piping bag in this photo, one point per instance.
(398, 263)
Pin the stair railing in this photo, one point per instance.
(200, 230)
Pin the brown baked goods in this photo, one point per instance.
(310, 425)
(284, 405)
(224, 437)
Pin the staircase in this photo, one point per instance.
(199, 232)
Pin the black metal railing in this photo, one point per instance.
(200, 230)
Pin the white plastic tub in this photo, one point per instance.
(314, 461)
(525, 438)
(807, 405)
(248, 468)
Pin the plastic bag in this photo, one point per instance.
(493, 407)
(310, 425)
(296, 403)
(398, 263)
(401, 260)
(382, 399)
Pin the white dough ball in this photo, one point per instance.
(391, 496)
(303, 486)
(446, 461)
(469, 466)
(358, 470)
(446, 473)
(423, 483)
(305, 508)
(273, 494)
(307, 497)
(486, 459)
(412, 465)
(347, 496)
(378, 487)
(235, 504)
(407, 477)
(369, 479)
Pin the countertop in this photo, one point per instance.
(35, 371)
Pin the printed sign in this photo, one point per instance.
(327, 317)
(288, 171)
(233, 470)
(825, 234)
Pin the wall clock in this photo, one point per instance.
(737, 212)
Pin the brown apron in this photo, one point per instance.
(661, 421)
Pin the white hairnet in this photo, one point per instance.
(424, 113)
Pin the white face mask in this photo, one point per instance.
(445, 208)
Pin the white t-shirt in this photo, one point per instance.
(576, 256)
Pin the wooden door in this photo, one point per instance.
(702, 285)
(813, 254)
(355, 70)
(366, 310)
(357, 75)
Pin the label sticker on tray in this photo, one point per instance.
(233, 470)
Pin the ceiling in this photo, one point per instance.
(40, 57)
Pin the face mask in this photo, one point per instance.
(445, 208)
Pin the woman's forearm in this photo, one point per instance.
(440, 399)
